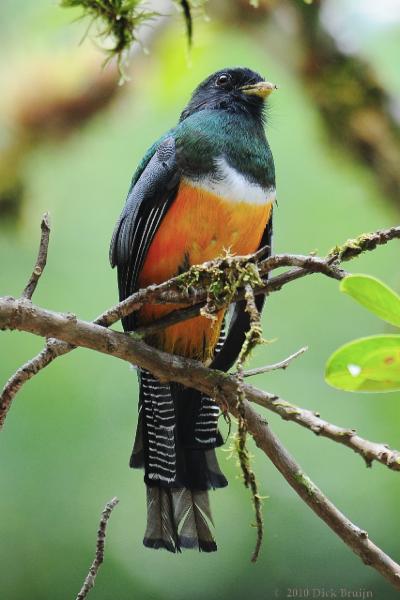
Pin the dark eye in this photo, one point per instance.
(223, 80)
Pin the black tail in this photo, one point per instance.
(175, 443)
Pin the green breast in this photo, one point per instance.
(209, 134)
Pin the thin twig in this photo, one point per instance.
(283, 364)
(99, 556)
(52, 349)
(41, 258)
(369, 451)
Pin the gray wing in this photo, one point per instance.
(148, 201)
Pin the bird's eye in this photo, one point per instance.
(223, 80)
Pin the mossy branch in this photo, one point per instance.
(222, 278)
(364, 242)
(118, 22)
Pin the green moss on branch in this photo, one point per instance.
(119, 21)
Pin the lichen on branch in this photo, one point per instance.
(364, 242)
(222, 278)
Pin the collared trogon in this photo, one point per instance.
(206, 186)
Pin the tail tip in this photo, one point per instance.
(158, 543)
(183, 543)
(202, 545)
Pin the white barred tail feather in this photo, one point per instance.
(175, 443)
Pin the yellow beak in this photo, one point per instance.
(262, 89)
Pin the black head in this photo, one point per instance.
(234, 90)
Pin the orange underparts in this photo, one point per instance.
(198, 227)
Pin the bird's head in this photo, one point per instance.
(233, 90)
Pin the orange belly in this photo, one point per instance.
(198, 227)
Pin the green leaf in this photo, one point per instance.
(370, 364)
(374, 295)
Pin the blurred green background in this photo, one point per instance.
(65, 447)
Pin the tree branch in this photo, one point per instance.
(363, 243)
(283, 364)
(169, 292)
(55, 348)
(305, 265)
(99, 556)
(369, 451)
(354, 537)
(41, 258)
(22, 315)
(52, 349)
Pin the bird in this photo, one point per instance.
(205, 186)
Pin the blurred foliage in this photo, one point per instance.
(370, 364)
(355, 106)
(64, 451)
(47, 96)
